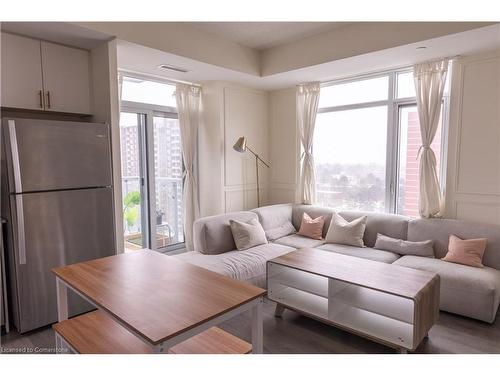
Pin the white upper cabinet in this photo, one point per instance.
(44, 76)
(65, 78)
(21, 72)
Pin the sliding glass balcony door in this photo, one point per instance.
(168, 171)
(134, 172)
(152, 179)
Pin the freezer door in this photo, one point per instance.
(53, 229)
(51, 155)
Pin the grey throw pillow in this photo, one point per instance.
(402, 247)
(281, 231)
(247, 235)
(344, 232)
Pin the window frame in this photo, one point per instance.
(393, 130)
(149, 111)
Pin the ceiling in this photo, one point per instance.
(58, 32)
(136, 58)
(263, 35)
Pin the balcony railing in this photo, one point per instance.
(168, 223)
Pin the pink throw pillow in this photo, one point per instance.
(312, 228)
(467, 252)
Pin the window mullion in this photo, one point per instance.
(391, 150)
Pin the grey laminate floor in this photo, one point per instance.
(298, 334)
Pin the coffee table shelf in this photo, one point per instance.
(357, 295)
(303, 301)
(305, 281)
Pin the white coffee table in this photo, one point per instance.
(389, 304)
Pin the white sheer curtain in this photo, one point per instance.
(188, 107)
(430, 79)
(307, 99)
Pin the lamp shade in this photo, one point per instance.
(240, 145)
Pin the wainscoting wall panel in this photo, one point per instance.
(228, 178)
(473, 178)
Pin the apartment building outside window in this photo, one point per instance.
(366, 144)
(152, 168)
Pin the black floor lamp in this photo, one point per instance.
(241, 146)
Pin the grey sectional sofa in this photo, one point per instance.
(468, 291)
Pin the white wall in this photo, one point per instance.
(473, 181)
(285, 146)
(227, 179)
(106, 109)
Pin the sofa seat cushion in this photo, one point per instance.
(297, 241)
(465, 290)
(361, 252)
(245, 265)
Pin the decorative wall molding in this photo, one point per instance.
(463, 66)
(470, 202)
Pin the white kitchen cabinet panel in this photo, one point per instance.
(21, 72)
(66, 78)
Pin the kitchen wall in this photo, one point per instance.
(227, 179)
(473, 178)
(473, 167)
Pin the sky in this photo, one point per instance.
(353, 136)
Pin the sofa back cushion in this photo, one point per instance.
(395, 226)
(313, 212)
(274, 216)
(440, 230)
(276, 220)
(212, 234)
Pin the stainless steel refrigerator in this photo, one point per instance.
(57, 196)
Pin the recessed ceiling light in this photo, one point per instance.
(172, 67)
(422, 47)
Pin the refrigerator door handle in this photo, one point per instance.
(21, 238)
(15, 156)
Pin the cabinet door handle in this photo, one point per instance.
(48, 99)
(40, 96)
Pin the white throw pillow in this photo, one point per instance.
(247, 235)
(347, 233)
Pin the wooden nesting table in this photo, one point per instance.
(152, 303)
(390, 304)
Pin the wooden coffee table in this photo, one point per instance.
(153, 303)
(390, 304)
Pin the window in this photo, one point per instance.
(366, 143)
(152, 168)
(409, 145)
(363, 91)
(149, 92)
(350, 158)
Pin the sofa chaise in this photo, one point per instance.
(469, 291)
